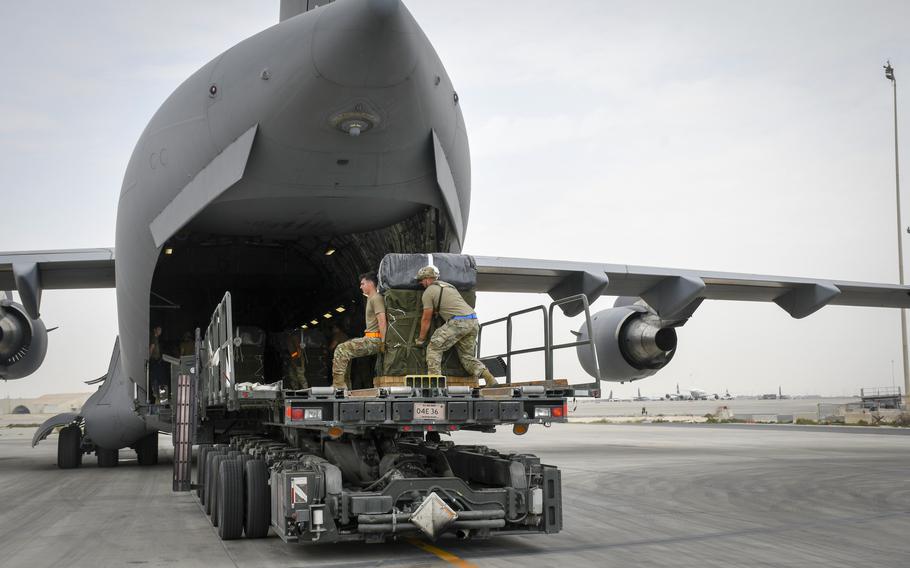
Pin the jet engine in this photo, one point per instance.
(23, 342)
(632, 343)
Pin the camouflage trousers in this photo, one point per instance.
(462, 333)
(296, 379)
(341, 361)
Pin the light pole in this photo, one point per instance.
(889, 74)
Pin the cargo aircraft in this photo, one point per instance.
(292, 162)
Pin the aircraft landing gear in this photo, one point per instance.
(107, 458)
(147, 450)
(69, 447)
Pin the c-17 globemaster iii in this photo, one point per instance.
(278, 172)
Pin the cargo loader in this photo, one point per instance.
(321, 465)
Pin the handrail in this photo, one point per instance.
(548, 347)
(590, 341)
(509, 352)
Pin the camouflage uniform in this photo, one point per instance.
(371, 344)
(357, 347)
(462, 333)
(296, 375)
(459, 330)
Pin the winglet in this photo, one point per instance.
(806, 299)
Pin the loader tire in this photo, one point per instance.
(230, 500)
(211, 466)
(201, 453)
(257, 514)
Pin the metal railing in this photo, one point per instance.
(219, 375)
(548, 347)
(509, 353)
(588, 326)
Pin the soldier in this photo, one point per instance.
(372, 341)
(296, 371)
(158, 369)
(460, 327)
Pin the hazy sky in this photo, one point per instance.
(735, 136)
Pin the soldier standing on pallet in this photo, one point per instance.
(460, 327)
(372, 341)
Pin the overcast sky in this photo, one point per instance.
(735, 136)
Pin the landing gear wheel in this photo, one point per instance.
(201, 453)
(230, 500)
(208, 492)
(107, 458)
(69, 447)
(256, 495)
(214, 476)
(147, 450)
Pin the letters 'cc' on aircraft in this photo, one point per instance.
(291, 144)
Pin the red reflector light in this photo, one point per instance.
(430, 428)
(296, 414)
(453, 427)
(558, 411)
(406, 428)
(287, 411)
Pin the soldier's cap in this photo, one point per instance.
(427, 272)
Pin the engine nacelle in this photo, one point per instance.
(23, 342)
(632, 343)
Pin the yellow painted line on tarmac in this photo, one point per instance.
(447, 556)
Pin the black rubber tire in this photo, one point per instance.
(208, 493)
(206, 468)
(107, 458)
(213, 496)
(69, 447)
(230, 500)
(200, 468)
(257, 506)
(147, 450)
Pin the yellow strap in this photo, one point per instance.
(372, 334)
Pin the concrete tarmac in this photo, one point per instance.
(642, 495)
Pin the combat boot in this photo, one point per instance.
(338, 382)
(488, 379)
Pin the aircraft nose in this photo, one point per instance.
(365, 43)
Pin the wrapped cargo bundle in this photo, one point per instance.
(397, 271)
(404, 309)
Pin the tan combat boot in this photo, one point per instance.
(338, 382)
(488, 379)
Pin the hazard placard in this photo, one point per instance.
(298, 490)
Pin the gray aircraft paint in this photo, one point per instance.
(295, 83)
(291, 80)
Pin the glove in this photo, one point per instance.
(420, 344)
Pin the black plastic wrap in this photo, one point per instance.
(397, 271)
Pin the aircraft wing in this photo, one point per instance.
(671, 291)
(30, 272)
